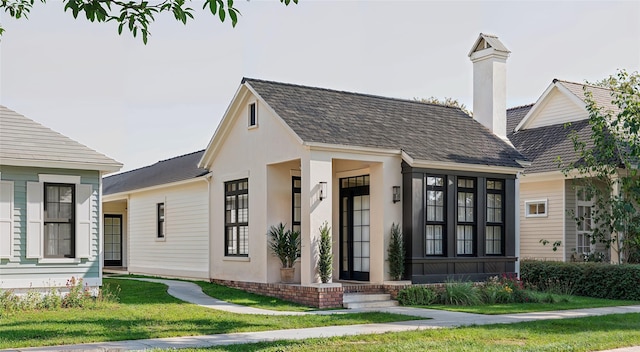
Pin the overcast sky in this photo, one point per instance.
(139, 104)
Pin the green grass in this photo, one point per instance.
(563, 302)
(581, 334)
(145, 311)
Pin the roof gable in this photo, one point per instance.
(24, 142)
(167, 171)
(426, 132)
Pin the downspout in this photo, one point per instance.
(99, 220)
(208, 178)
(517, 239)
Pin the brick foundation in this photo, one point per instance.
(314, 296)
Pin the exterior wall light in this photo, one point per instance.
(396, 194)
(323, 189)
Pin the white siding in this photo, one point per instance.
(184, 251)
(550, 228)
(557, 109)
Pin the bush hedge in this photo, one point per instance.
(584, 279)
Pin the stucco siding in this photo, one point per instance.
(550, 227)
(184, 250)
(22, 272)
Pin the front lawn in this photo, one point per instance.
(145, 311)
(581, 334)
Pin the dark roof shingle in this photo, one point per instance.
(424, 131)
(176, 169)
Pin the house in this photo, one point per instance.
(156, 219)
(549, 200)
(307, 156)
(50, 228)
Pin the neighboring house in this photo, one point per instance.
(49, 206)
(549, 200)
(156, 219)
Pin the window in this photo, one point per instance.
(160, 220)
(296, 203)
(435, 222)
(59, 220)
(236, 219)
(465, 229)
(253, 115)
(535, 208)
(494, 234)
(585, 221)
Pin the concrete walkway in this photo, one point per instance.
(192, 293)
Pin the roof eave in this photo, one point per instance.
(448, 165)
(95, 166)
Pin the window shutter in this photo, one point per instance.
(83, 220)
(35, 226)
(6, 219)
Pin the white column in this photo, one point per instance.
(316, 167)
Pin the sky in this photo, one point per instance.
(143, 103)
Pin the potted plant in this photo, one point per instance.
(285, 245)
(396, 253)
(325, 258)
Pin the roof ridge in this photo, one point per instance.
(245, 79)
(181, 156)
(581, 84)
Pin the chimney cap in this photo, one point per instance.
(486, 41)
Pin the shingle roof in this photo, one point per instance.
(543, 145)
(28, 143)
(424, 131)
(176, 169)
(602, 96)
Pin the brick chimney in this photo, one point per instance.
(489, 57)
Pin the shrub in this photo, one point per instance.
(584, 279)
(417, 296)
(460, 293)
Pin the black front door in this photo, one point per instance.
(354, 228)
(113, 240)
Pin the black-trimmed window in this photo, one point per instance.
(253, 115)
(59, 220)
(160, 229)
(296, 203)
(236, 217)
(435, 231)
(466, 225)
(494, 235)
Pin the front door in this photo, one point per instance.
(354, 228)
(113, 240)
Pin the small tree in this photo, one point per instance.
(396, 253)
(325, 258)
(608, 161)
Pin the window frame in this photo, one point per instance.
(237, 224)
(442, 223)
(494, 224)
(528, 203)
(252, 114)
(581, 232)
(472, 223)
(161, 230)
(296, 225)
(46, 220)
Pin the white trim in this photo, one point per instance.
(544, 201)
(124, 195)
(59, 261)
(543, 100)
(59, 178)
(249, 125)
(7, 220)
(62, 164)
(236, 259)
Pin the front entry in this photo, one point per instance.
(354, 228)
(113, 240)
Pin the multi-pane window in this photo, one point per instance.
(160, 229)
(465, 229)
(494, 235)
(535, 208)
(435, 222)
(585, 221)
(253, 115)
(236, 217)
(296, 203)
(59, 220)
